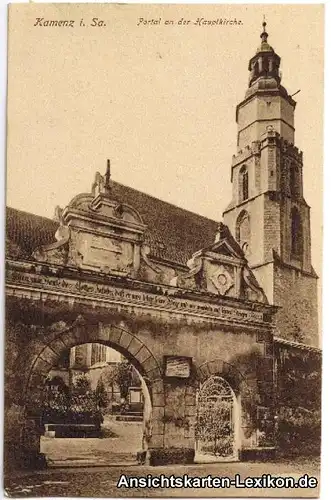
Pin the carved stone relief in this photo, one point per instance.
(221, 269)
(222, 279)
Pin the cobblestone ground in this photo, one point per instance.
(102, 482)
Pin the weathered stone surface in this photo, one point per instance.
(190, 399)
(42, 366)
(157, 441)
(215, 366)
(204, 371)
(135, 346)
(158, 399)
(173, 401)
(125, 339)
(154, 374)
(149, 363)
(157, 426)
(114, 334)
(145, 358)
(172, 456)
(190, 411)
(49, 355)
(157, 387)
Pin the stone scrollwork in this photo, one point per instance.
(56, 252)
(187, 280)
(145, 252)
(252, 288)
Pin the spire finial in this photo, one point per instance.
(264, 34)
(107, 175)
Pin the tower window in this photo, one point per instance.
(243, 184)
(296, 234)
(243, 231)
(256, 69)
(294, 181)
(265, 65)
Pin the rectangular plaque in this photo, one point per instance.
(101, 251)
(177, 366)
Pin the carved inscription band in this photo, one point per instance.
(127, 296)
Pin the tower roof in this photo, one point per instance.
(264, 69)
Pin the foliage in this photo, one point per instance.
(122, 376)
(299, 403)
(82, 384)
(78, 406)
(101, 394)
(108, 375)
(213, 427)
(299, 430)
(300, 381)
(181, 422)
(13, 420)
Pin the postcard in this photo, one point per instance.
(163, 250)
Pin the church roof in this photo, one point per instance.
(173, 233)
(25, 232)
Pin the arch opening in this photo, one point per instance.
(294, 181)
(95, 389)
(216, 432)
(243, 184)
(243, 231)
(296, 234)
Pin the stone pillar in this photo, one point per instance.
(147, 417)
(13, 425)
(31, 458)
(89, 354)
(260, 64)
(173, 425)
(257, 397)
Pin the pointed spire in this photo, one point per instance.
(101, 184)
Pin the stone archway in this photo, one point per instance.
(241, 393)
(114, 336)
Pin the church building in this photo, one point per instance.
(268, 214)
(205, 310)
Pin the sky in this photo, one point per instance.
(157, 100)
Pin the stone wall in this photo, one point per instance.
(35, 341)
(256, 114)
(254, 207)
(296, 294)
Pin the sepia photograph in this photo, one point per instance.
(163, 250)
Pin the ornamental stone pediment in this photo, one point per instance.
(221, 269)
(98, 233)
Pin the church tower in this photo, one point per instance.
(268, 214)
